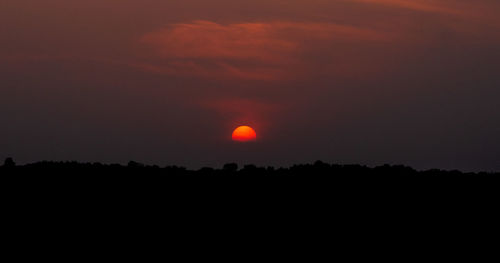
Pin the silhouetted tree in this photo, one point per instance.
(318, 173)
(9, 163)
(133, 164)
(230, 167)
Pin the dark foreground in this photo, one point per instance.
(307, 177)
(318, 170)
(345, 200)
(316, 186)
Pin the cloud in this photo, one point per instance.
(418, 5)
(257, 51)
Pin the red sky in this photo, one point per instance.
(350, 81)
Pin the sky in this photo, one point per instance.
(166, 82)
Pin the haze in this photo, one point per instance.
(166, 82)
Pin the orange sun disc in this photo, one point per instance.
(244, 134)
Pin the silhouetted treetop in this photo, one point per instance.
(319, 169)
(9, 162)
(230, 167)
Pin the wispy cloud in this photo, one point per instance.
(418, 5)
(263, 51)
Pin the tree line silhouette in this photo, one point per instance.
(319, 186)
(318, 169)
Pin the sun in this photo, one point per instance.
(244, 134)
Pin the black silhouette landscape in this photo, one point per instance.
(323, 182)
(318, 170)
(163, 123)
